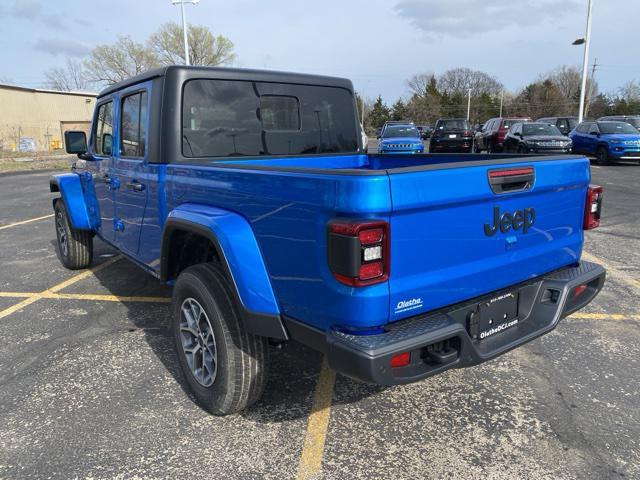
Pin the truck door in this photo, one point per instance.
(102, 166)
(131, 167)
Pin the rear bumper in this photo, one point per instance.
(451, 146)
(440, 340)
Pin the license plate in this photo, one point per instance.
(452, 135)
(497, 315)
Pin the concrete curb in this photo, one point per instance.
(29, 172)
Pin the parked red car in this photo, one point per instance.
(491, 137)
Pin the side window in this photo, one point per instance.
(583, 127)
(133, 123)
(103, 129)
(593, 128)
(562, 124)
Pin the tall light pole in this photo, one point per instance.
(184, 26)
(585, 59)
(469, 105)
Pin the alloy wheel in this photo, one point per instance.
(198, 342)
(62, 234)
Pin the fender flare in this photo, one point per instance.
(240, 255)
(76, 200)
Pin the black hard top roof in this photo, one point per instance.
(232, 74)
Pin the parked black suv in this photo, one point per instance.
(564, 124)
(536, 137)
(632, 119)
(451, 135)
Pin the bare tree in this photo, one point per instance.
(109, 64)
(567, 79)
(630, 91)
(204, 47)
(458, 81)
(70, 76)
(421, 84)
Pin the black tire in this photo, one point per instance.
(522, 149)
(241, 359)
(602, 156)
(74, 247)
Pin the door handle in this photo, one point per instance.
(136, 186)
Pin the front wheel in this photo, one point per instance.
(75, 247)
(225, 366)
(602, 156)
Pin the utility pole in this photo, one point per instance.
(590, 95)
(362, 111)
(469, 105)
(501, 99)
(184, 26)
(585, 59)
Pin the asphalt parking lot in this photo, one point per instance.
(90, 386)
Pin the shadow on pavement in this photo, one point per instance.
(293, 367)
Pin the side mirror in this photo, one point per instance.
(593, 132)
(107, 143)
(378, 137)
(75, 141)
(517, 134)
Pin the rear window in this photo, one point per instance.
(454, 125)
(227, 118)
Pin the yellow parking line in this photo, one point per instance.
(18, 306)
(17, 294)
(107, 298)
(56, 288)
(313, 450)
(25, 221)
(611, 270)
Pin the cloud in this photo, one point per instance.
(60, 46)
(30, 9)
(463, 18)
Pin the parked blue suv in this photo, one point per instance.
(400, 138)
(608, 141)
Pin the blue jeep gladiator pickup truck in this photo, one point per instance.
(250, 193)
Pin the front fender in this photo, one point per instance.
(78, 198)
(238, 249)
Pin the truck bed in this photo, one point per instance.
(436, 207)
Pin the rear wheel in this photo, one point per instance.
(75, 247)
(522, 149)
(602, 156)
(225, 366)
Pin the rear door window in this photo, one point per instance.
(227, 118)
(133, 125)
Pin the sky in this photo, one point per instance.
(378, 44)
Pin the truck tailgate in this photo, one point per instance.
(441, 251)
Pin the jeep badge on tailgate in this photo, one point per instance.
(519, 219)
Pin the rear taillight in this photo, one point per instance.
(593, 208)
(358, 252)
